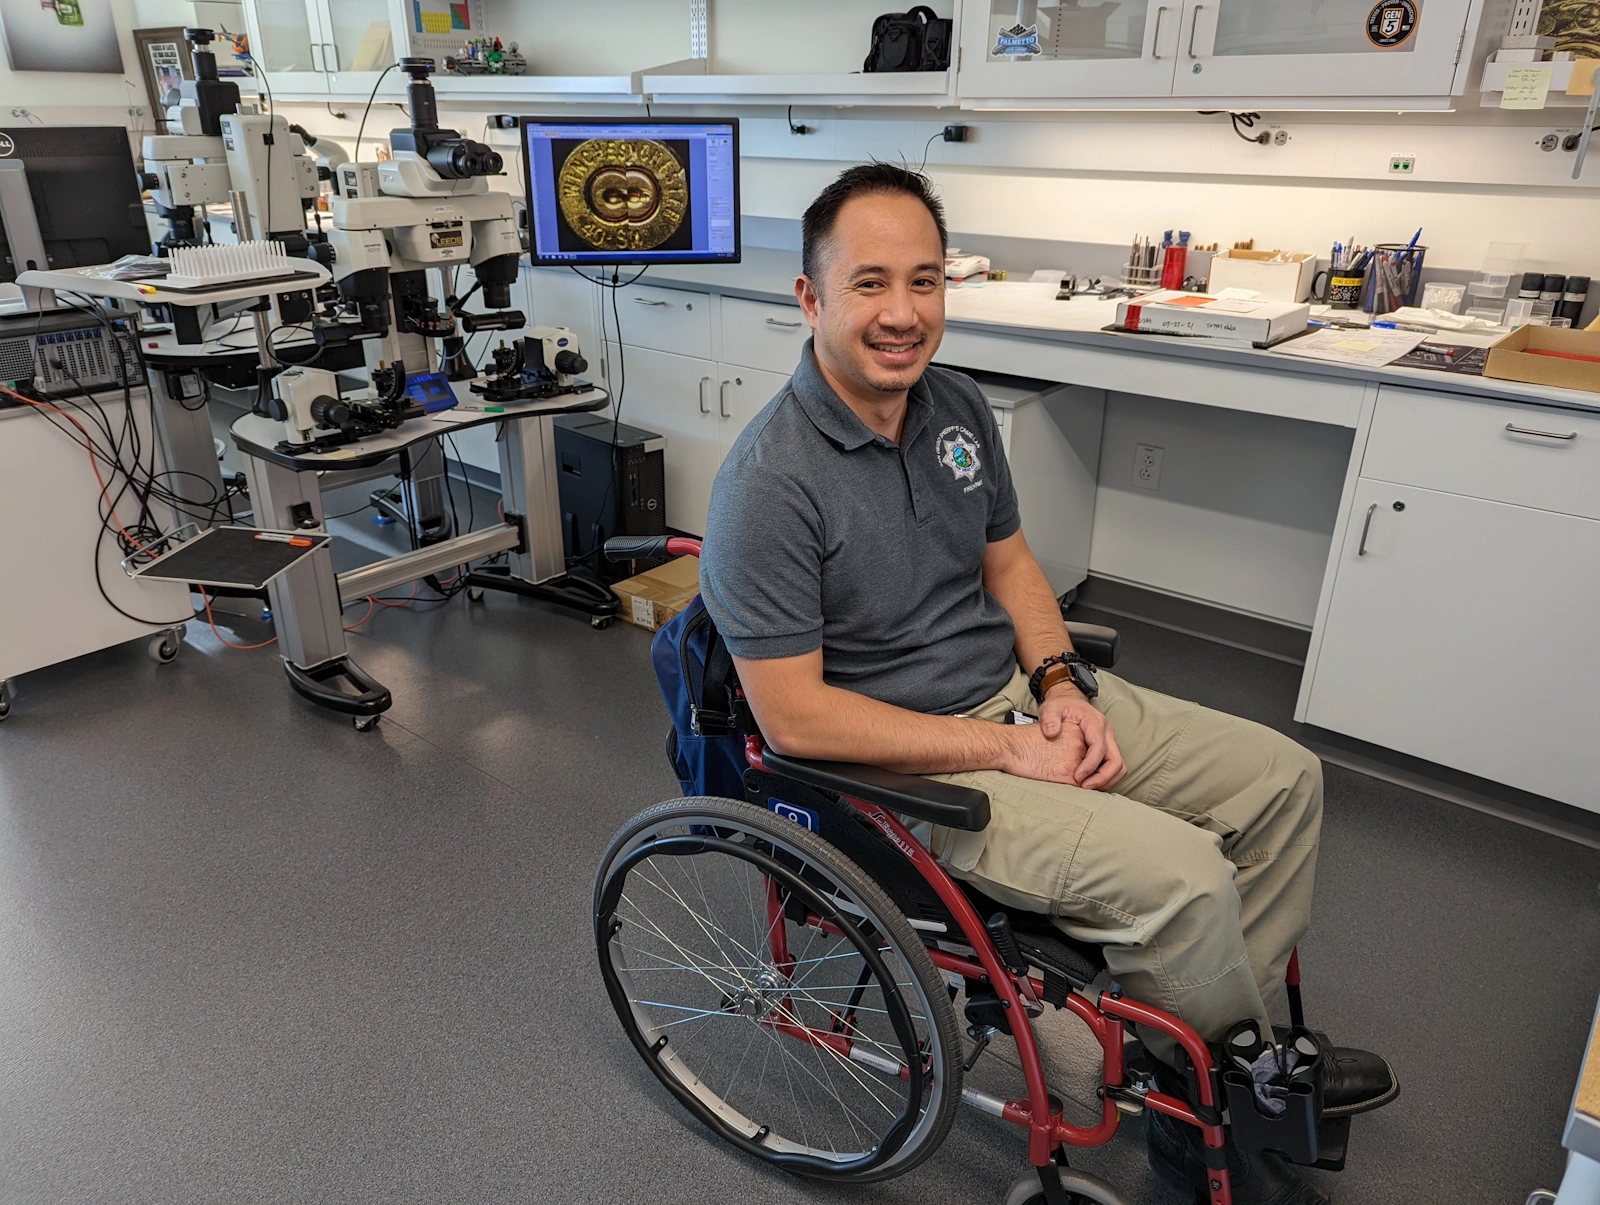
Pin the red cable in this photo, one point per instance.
(224, 639)
(364, 618)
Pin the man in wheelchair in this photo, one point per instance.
(865, 564)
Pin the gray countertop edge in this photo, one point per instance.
(767, 275)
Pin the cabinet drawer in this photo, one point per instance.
(1463, 446)
(666, 320)
(758, 335)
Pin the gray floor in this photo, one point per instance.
(247, 954)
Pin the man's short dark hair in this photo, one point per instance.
(865, 179)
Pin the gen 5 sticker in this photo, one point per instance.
(1391, 22)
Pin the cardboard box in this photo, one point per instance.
(1284, 280)
(1514, 358)
(653, 597)
(1223, 319)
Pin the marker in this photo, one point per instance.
(278, 537)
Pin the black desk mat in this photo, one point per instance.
(231, 556)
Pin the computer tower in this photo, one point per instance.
(593, 507)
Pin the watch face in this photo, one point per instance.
(1083, 678)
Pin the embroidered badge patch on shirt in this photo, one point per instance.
(958, 449)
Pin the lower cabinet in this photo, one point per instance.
(700, 406)
(1462, 631)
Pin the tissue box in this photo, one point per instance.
(1260, 272)
(1233, 320)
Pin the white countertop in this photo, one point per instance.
(1018, 309)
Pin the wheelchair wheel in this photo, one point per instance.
(776, 991)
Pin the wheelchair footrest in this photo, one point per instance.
(1333, 1139)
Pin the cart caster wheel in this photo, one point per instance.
(164, 647)
(365, 723)
(601, 621)
(1082, 1189)
(475, 593)
(5, 708)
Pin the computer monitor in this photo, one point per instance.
(654, 191)
(81, 179)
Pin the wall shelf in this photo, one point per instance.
(904, 89)
(602, 89)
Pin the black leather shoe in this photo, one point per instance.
(1355, 1081)
(1174, 1151)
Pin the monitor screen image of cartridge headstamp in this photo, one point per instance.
(632, 192)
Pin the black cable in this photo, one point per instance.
(266, 223)
(926, 147)
(1248, 121)
(361, 129)
(277, 359)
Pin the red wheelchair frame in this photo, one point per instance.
(1048, 1130)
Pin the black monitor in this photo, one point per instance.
(661, 190)
(84, 194)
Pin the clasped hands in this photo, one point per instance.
(1072, 743)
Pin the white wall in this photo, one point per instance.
(89, 98)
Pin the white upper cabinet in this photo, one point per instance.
(1174, 53)
(1016, 48)
(321, 48)
(1320, 47)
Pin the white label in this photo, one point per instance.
(644, 612)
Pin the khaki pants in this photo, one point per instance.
(1196, 874)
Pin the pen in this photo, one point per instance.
(278, 537)
(1414, 239)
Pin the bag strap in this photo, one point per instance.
(928, 15)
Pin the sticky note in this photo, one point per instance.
(1582, 81)
(1526, 87)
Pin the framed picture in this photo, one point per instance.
(165, 62)
(61, 35)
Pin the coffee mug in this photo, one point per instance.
(1344, 288)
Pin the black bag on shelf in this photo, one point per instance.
(913, 41)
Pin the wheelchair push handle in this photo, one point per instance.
(630, 548)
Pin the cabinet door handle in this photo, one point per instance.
(1365, 528)
(1155, 41)
(777, 322)
(722, 399)
(1193, 26)
(647, 301)
(316, 57)
(330, 53)
(1515, 430)
(704, 409)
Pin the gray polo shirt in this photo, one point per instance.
(825, 535)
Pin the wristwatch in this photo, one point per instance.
(1063, 667)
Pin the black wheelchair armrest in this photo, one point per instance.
(1095, 644)
(921, 798)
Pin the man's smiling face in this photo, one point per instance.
(878, 309)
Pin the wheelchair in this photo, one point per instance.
(787, 966)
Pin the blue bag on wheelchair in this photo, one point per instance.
(695, 670)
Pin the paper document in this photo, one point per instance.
(1526, 87)
(1367, 349)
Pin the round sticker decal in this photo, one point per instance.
(1391, 22)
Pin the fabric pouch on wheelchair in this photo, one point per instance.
(695, 673)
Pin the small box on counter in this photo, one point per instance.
(653, 597)
(1546, 355)
(1235, 320)
(1274, 275)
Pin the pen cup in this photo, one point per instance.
(1393, 277)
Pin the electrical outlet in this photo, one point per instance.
(1549, 142)
(1402, 165)
(1147, 466)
